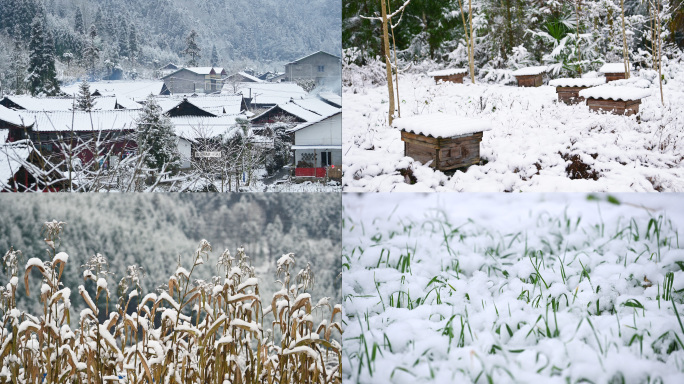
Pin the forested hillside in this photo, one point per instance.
(154, 231)
(514, 33)
(135, 37)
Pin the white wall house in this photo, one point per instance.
(318, 145)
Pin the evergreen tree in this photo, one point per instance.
(79, 27)
(42, 76)
(133, 43)
(192, 49)
(17, 68)
(84, 101)
(156, 139)
(91, 52)
(123, 38)
(51, 86)
(99, 16)
(214, 57)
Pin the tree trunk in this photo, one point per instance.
(388, 63)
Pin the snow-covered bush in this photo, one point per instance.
(189, 331)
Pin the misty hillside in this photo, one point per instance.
(152, 231)
(139, 36)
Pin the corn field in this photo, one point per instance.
(190, 331)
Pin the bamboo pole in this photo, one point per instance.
(471, 56)
(625, 53)
(388, 63)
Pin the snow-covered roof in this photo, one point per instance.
(250, 77)
(612, 68)
(310, 123)
(316, 106)
(136, 90)
(267, 93)
(529, 71)
(332, 98)
(441, 125)
(12, 157)
(300, 112)
(52, 121)
(574, 82)
(204, 70)
(608, 92)
(11, 116)
(448, 72)
(194, 127)
(15, 155)
(219, 104)
(309, 55)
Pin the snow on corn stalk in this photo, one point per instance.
(189, 331)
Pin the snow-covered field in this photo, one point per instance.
(536, 143)
(495, 288)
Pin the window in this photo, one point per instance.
(321, 68)
(326, 159)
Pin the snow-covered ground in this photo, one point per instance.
(547, 288)
(536, 143)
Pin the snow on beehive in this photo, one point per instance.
(583, 82)
(441, 125)
(448, 72)
(608, 92)
(612, 68)
(530, 71)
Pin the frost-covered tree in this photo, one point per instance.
(133, 47)
(79, 27)
(214, 56)
(156, 139)
(17, 67)
(42, 75)
(124, 37)
(192, 49)
(84, 101)
(91, 51)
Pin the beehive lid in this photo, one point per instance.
(583, 82)
(608, 92)
(448, 72)
(441, 125)
(530, 71)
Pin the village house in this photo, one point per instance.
(23, 168)
(89, 134)
(323, 67)
(318, 147)
(195, 80)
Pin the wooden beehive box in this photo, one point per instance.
(454, 75)
(617, 100)
(447, 141)
(568, 89)
(613, 71)
(530, 76)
